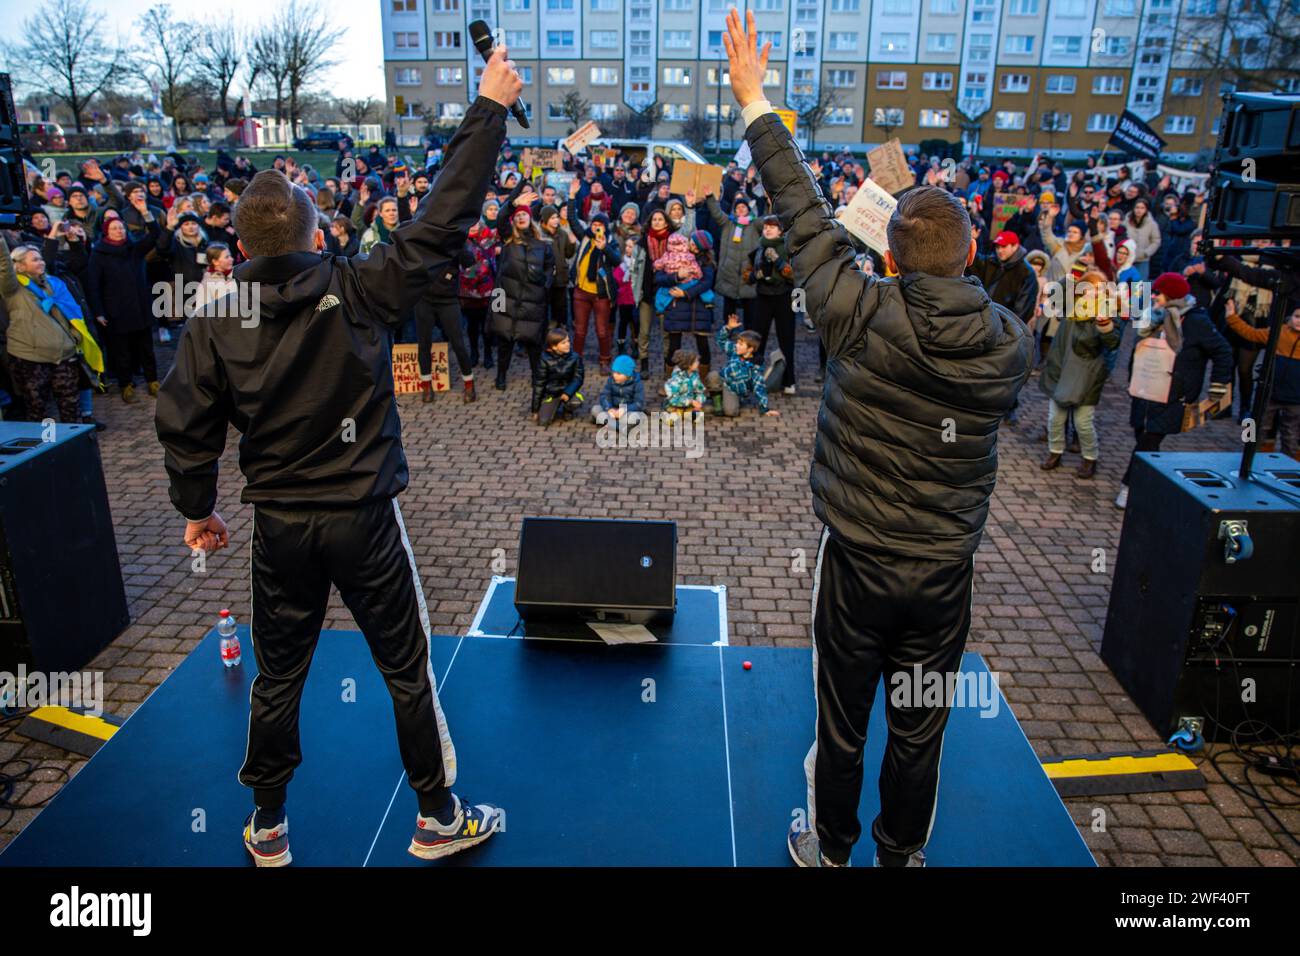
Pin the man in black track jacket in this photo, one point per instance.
(306, 378)
(920, 370)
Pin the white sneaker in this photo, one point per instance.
(789, 390)
(1121, 499)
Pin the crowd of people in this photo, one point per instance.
(604, 249)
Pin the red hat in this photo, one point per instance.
(1001, 174)
(1172, 286)
(1006, 238)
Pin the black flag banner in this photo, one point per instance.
(1136, 137)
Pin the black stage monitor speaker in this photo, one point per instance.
(61, 594)
(597, 569)
(1204, 607)
(1255, 188)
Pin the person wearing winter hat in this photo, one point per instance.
(594, 288)
(770, 272)
(1188, 331)
(629, 223)
(563, 247)
(739, 238)
(623, 394)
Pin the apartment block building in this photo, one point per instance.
(1009, 77)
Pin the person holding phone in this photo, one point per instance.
(594, 289)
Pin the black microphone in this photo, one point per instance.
(480, 34)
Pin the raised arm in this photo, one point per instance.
(839, 297)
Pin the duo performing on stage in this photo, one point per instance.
(921, 369)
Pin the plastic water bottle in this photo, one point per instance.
(229, 639)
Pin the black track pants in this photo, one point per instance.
(364, 552)
(875, 615)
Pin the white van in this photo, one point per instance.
(636, 149)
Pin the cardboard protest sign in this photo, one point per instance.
(1194, 416)
(867, 216)
(535, 157)
(689, 176)
(406, 368)
(560, 180)
(889, 167)
(581, 136)
(1006, 205)
(743, 156)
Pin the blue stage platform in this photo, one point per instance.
(652, 754)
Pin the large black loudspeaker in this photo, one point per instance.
(61, 594)
(1255, 189)
(1204, 607)
(596, 569)
(14, 201)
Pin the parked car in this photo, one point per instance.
(323, 139)
(42, 137)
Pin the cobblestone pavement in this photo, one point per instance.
(744, 517)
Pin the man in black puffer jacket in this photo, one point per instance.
(920, 370)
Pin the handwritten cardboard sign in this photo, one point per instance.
(867, 216)
(889, 167)
(406, 368)
(581, 136)
(688, 176)
(535, 157)
(1006, 205)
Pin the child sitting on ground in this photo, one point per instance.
(684, 389)
(558, 382)
(624, 392)
(740, 377)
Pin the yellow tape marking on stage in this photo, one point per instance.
(82, 724)
(1112, 766)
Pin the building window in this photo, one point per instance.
(405, 6)
(516, 6)
(940, 42)
(639, 78)
(525, 74)
(451, 111)
(555, 112)
(445, 39)
(895, 43)
(1060, 83)
(846, 6)
(559, 39)
(604, 76)
(1067, 46)
(711, 76)
(1180, 125)
(604, 39)
(944, 8)
(891, 80)
(843, 42)
(444, 6)
(677, 39)
(805, 11)
(560, 76)
(677, 6)
(1117, 46)
(1107, 84)
(677, 112)
(640, 9)
(840, 116)
(802, 81)
(842, 79)
(767, 6)
(1146, 90)
(639, 43)
(406, 41)
(888, 116)
(481, 9)
(897, 8)
(1014, 83)
(985, 11)
(677, 76)
(1054, 121)
(981, 47)
(1102, 123)
(936, 81)
(773, 36)
(604, 6)
(519, 39)
(711, 111)
(977, 85)
(1019, 45)
(934, 119)
(1202, 8)
(1008, 119)
(604, 111)
(1070, 8)
(409, 76)
(1121, 8)
(450, 75)
(1023, 8)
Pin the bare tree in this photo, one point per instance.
(575, 108)
(357, 112)
(269, 65)
(1053, 122)
(634, 124)
(63, 52)
(1249, 45)
(971, 112)
(166, 47)
(696, 130)
(814, 111)
(307, 41)
(217, 59)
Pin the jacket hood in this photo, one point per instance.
(286, 282)
(952, 317)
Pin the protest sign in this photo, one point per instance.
(889, 167)
(583, 135)
(406, 368)
(697, 177)
(867, 216)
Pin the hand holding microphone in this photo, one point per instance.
(499, 82)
